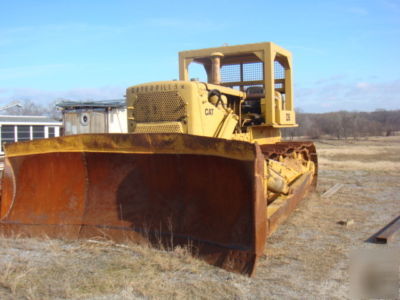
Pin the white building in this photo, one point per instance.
(26, 128)
(94, 116)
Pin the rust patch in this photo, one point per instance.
(202, 193)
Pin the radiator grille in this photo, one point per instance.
(165, 106)
(170, 127)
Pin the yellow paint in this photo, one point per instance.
(220, 111)
(202, 114)
(132, 144)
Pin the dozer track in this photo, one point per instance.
(169, 189)
(279, 207)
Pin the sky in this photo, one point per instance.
(345, 53)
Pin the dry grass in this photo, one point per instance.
(352, 164)
(376, 154)
(307, 257)
(45, 269)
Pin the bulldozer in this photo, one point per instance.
(203, 164)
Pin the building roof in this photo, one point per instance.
(28, 119)
(91, 104)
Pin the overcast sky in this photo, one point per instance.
(346, 53)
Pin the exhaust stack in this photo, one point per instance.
(216, 68)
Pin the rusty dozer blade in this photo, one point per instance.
(171, 189)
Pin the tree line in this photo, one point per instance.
(30, 108)
(345, 124)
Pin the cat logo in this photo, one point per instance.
(209, 111)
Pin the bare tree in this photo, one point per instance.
(30, 108)
(344, 124)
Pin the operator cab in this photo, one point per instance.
(262, 71)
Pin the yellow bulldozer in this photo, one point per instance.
(203, 164)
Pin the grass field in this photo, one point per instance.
(307, 257)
